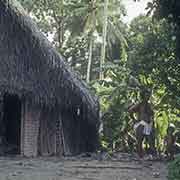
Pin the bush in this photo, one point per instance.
(174, 169)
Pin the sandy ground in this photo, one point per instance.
(79, 169)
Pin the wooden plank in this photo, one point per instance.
(22, 127)
(1, 118)
(47, 133)
(31, 130)
(59, 137)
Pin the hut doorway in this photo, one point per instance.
(12, 123)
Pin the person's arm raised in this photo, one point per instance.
(133, 109)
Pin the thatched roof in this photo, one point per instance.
(31, 67)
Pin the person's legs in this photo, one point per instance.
(151, 142)
(140, 137)
(171, 152)
(140, 147)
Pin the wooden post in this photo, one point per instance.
(23, 106)
(31, 130)
(2, 127)
(59, 137)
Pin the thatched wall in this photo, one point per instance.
(80, 136)
(48, 131)
(30, 67)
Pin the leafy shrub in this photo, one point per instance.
(174, 169)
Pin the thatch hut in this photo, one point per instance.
(45, 109)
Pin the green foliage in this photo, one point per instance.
(151, 60)
(67, 21)
(166, 9)
(151, 50)
(115, 96)
(152, 47)
(169, 9)
(140, 55)
(174, 169)
(75, 52)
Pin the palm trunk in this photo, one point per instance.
(89, 59)
(59, 37)
(103, 48)
(88, 76)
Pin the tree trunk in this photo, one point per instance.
(89, 59)
(103, 48)
(59, 32)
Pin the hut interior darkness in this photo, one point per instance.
(45, 109)
(12, 123)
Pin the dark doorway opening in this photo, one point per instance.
(12, 123)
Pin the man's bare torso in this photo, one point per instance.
(144, 112)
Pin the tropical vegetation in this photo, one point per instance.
(117, 59)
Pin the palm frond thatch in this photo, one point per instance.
(32, 68)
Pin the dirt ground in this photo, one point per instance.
(17, 168)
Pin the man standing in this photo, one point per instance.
(144, 124)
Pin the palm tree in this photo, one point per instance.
(111, 29)
(104, 35)
(88, 14)
(90, 58)
(92, 22)
(85, 12)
